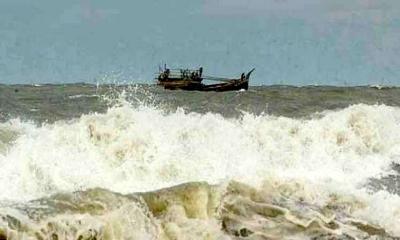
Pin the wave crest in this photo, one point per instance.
(130, 149)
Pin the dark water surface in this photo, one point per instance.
(56, 102)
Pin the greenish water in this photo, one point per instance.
(139, 162)
(57, 102)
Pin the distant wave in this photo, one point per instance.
(378, 86)
(82, 96)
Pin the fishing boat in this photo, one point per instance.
(191, 80)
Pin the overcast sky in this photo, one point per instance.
(300, 42)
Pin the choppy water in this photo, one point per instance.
(138, 162)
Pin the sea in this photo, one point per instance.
(135, 161)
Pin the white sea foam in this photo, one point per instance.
(83, 96)
(130, 149)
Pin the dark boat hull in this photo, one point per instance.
(220, 87)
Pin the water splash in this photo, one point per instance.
(191, 211)
(142, 148)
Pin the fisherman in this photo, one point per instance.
(200, 71)
(164, 75)
(187, 75)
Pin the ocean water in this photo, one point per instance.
(138, 162)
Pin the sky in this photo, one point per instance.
(294, 42)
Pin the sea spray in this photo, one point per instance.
(140, 148)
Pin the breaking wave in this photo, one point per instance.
(141, 149)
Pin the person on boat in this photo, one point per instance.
(200, 71)
(187, 74)
(164, 75)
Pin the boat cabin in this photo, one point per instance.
(180, 75)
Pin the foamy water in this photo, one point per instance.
(142, 148)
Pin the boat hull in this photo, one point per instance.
(220, 87)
